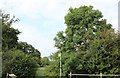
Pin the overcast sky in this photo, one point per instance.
(40, 20)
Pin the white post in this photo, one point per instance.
(7, 75)
(70, 75)
(101, 75)
(60, 65)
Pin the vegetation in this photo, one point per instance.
(88, 45)
(44, 61)
(17, 62)
(17, 58)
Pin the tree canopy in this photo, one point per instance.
(88, 45)
(84, 25)
(9, 34)
(18, 58)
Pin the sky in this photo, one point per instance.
(40, 20)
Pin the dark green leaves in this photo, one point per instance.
(89, 44)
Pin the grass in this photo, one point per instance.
(44, 71)
(41, 71)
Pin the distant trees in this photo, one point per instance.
(30, 50)
(44, 61)
(88, 45)
(19, 58)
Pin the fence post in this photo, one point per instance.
(100, 75)
(70, 75)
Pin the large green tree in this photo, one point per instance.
(88, 45)
(84, 25)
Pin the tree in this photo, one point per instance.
(86, 43)
(9, 34)
(15, 59)
(84, 24)
(27, 48)
(44, 61)
(0, 45)
(19, 63)
(30, 50)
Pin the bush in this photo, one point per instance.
(19, 63)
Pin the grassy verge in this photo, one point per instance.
(41, 71)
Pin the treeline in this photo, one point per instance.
(88, 45)
(19, 58)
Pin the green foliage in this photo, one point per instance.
(20, 58)
(55, 64)
(84, 24)
(88, 45)
(19, 63)
(9, 34)
(44, 61)
(0, 46)
(41, 72)
(29, 49)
